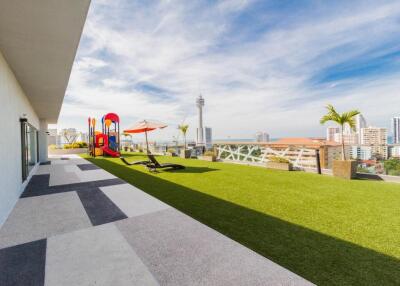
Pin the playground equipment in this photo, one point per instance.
(106, 142)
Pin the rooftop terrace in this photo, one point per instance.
(325, 229)
(211, 223)
(77, 224)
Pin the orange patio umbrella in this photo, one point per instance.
(145, 126)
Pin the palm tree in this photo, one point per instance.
(341, 119)
(183, 128)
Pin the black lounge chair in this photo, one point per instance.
(134, 163)
(154, 165)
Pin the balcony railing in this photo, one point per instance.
(259, 154)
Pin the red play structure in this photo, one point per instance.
(107, 141)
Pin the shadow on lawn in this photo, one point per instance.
(320, 258)
(370, 177)
(192, 170)
(188, 169)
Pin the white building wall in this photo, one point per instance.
(43, 143)
(13, 105)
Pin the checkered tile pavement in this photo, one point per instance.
(76, 224)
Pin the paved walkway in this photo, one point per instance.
(76, 224)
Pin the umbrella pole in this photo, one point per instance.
(147, 144)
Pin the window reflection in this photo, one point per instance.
(29, 138)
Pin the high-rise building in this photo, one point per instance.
(200, 130)
(376, 137)
(350, 136)
(262, 137)
(208, 133)
(347, 129)
(396, 130)
(360, 123)
(330, 133)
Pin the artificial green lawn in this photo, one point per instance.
(328, 230)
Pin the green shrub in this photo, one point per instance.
(278, 159)
(67, 146)
(81, 144)
(171, 150)
(75, 145)
(208, 153)
(392, 166)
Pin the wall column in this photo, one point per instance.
(43, 141)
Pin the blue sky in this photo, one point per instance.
(260, 65)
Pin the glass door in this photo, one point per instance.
(29, 148)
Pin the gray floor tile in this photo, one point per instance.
(181, 251)
(40, 217)
(39, 186)
(132, 201)
(88, 167)
(59, 162)
(99, 208)
(96, 256)
(93, 175)
(59, 176)
(71, 168)
(24, 264)
(43, 169)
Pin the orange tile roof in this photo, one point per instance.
(283, 142)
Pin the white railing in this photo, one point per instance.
(300, 157)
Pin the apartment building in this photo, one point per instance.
(376, 138)
(331, 133)
(361, 152)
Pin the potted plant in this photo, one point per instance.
(184, 153)
(279, 163)
(342, 168)
(208, 156)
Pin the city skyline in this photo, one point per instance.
(254, 67)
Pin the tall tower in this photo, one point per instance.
(200, 129)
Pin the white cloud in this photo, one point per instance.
(152, 61)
